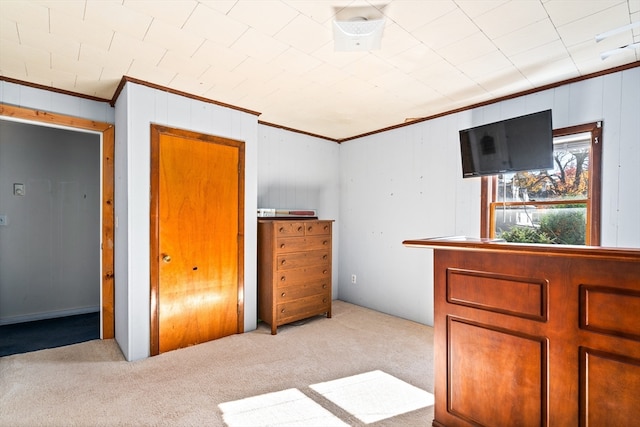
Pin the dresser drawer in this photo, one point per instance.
(297, 244)
(302, 259)
(314, 228)
(290, 293)
(303, 275)
(303, 307)
(290, 228)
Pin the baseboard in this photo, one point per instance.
(48, 315)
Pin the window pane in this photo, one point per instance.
(568, 180)
(560, 224)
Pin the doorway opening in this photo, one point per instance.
(71, 229)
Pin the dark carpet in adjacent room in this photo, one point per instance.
(38, 335)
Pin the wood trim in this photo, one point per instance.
(108, 232)
(485, 211)
(273, 125)
(544, 202)
(154, 241)
(126, 79)
(241, 217)
(52, 89)
(107, 131)
(500, 99)
(154, 237)
(487, 245)
(595, 187)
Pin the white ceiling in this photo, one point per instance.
(276, 57)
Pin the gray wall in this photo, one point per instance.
(407, 184)
(300, 172)
(50, 246)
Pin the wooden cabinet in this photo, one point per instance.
(535, 336)
(294, 270)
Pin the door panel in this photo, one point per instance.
(198, 238)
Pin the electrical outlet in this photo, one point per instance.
(3, 220)
(353, 278)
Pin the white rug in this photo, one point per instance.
(374, 396)
(289, 407)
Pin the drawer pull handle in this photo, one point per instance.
(283, 262)
(282, 311)
(310, 228)
(324, 256)
(324, 272)
(283, 278)
(326, 227)
(283, 294)
(325, 242)
(300, 229)
(282, 246)
(324, 300)
(324, 286)
(282, 229)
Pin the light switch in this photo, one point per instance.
(18, 189)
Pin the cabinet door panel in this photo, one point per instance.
(522, 392)
(609, 388)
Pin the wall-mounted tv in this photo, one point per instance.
(518, 144)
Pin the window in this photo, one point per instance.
(560, 206)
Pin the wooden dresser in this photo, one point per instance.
(294, 270)
(535, 335)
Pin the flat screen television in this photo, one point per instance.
(518, 144)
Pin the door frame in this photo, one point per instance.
(154, 237)
(107, 140)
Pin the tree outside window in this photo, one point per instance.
(556, 206)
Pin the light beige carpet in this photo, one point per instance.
(90, 384)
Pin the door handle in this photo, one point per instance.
(166, 258)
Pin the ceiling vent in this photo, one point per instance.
(357, 34)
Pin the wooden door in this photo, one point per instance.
(197, 246)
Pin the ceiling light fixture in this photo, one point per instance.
(602, 36)
(357, 34)
(622, 49)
